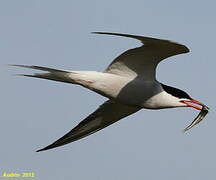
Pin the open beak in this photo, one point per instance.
(193, 103)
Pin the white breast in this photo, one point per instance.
(162, 100)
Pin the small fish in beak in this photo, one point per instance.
(204, 111)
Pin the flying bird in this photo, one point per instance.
(129, 83)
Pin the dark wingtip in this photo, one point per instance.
(43, 149)
(26, 75)
(187, 49)
(96, 32)
(46, 148)
(107, 33)
(39, 150)
(51, 146)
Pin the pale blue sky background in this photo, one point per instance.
(147, 145)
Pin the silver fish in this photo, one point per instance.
(199, 118)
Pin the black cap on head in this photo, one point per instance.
(175, 92)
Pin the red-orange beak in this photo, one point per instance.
(190, 103)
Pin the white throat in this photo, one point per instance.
(163, 100)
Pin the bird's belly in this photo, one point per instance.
(128, 91)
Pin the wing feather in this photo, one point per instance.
(107, 114)
(141, 62)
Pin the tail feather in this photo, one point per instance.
(52, 74)
(41, 68)
(47, 76)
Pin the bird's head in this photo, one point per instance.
(183, 98)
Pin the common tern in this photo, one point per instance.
(129, 83)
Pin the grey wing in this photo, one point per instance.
(141, 62)
(107, 114)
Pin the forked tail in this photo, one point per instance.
(51, 74)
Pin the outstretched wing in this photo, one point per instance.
(107, 114)
(141, 62)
